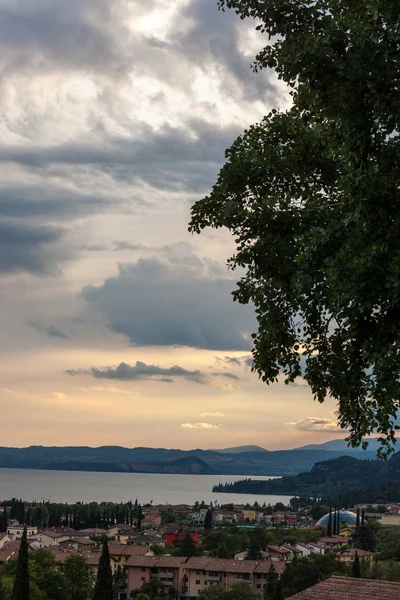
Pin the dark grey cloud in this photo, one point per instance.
(172, 158)
(25, 248)
(141, 370)
(50, 330)
(157, 302)
(215, 39)
(240, 361)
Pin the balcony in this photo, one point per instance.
(212, 578)
(165, 574)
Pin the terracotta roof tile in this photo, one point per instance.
(346, 588)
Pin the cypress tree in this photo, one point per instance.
(104, 589)
(338, 522)
(208, 520)
(356, 568)
(334, 522)
(21, 583)
(270, 588)
(279, 591)
(329, 528)
(363, 517)
(139, 517)
(358, 518)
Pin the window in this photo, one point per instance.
(258, 576)
(198, 581)
(143, 578)
(259, 586)
(143, 569)
(198, 572)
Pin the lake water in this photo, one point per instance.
(73, 486)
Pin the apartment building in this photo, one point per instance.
(167, 569)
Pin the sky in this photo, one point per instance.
(118, 326)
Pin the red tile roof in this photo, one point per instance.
(346, 588)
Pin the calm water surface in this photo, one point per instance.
(72, 486)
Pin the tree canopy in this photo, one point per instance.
(311, 195)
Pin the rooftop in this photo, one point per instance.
(346, 588)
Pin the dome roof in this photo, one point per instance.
(345, 516)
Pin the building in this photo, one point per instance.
(199, 516)
(347, 588)
(15, 531)
(4, 539)
(333, 542)
(279, 553)
(168, 569)
(249, 515)
(122, 552)
(176, 533)
(54, 536)
(346, 517)
(388, 520)
(349, 555)
(144, 538)
(201, 572)
(8, 551)
(77, 543)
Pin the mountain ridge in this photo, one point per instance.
(160, 460)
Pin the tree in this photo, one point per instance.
(235, 591)
(271, 583)
(254, 551)
(103, 590)
(79, 577)
(21, 584)
(311, 197)
(208, 520)
(303, 573)
(356, 567)
(358, 518)
(334, 523)
(364, 537)
(139, 517)
(188, 547)
(329, 528)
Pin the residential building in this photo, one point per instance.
(144, 538)
(340, 588)
(4, 539)
(54, 536)
(77, 543)
(249, 514)
(15, 531)
(199, 516)
(168, 569)
(279, 553)
(92, 557)
(350, 554)
(389, 520)
(333, 542)
(176, 533)
(8, 551)
(122, 552)
(201, 572)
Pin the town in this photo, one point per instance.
(182, 551)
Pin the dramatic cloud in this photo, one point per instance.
(199, 426)
(141, 370)
(315, 424)
(27, 248)
(173, 301)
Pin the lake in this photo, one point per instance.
(77, 486)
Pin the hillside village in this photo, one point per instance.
(188, 549)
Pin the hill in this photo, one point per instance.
(336, 478)
(158, 460)
(240, 449)
(340, 445)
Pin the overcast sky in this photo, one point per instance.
(118, 326)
